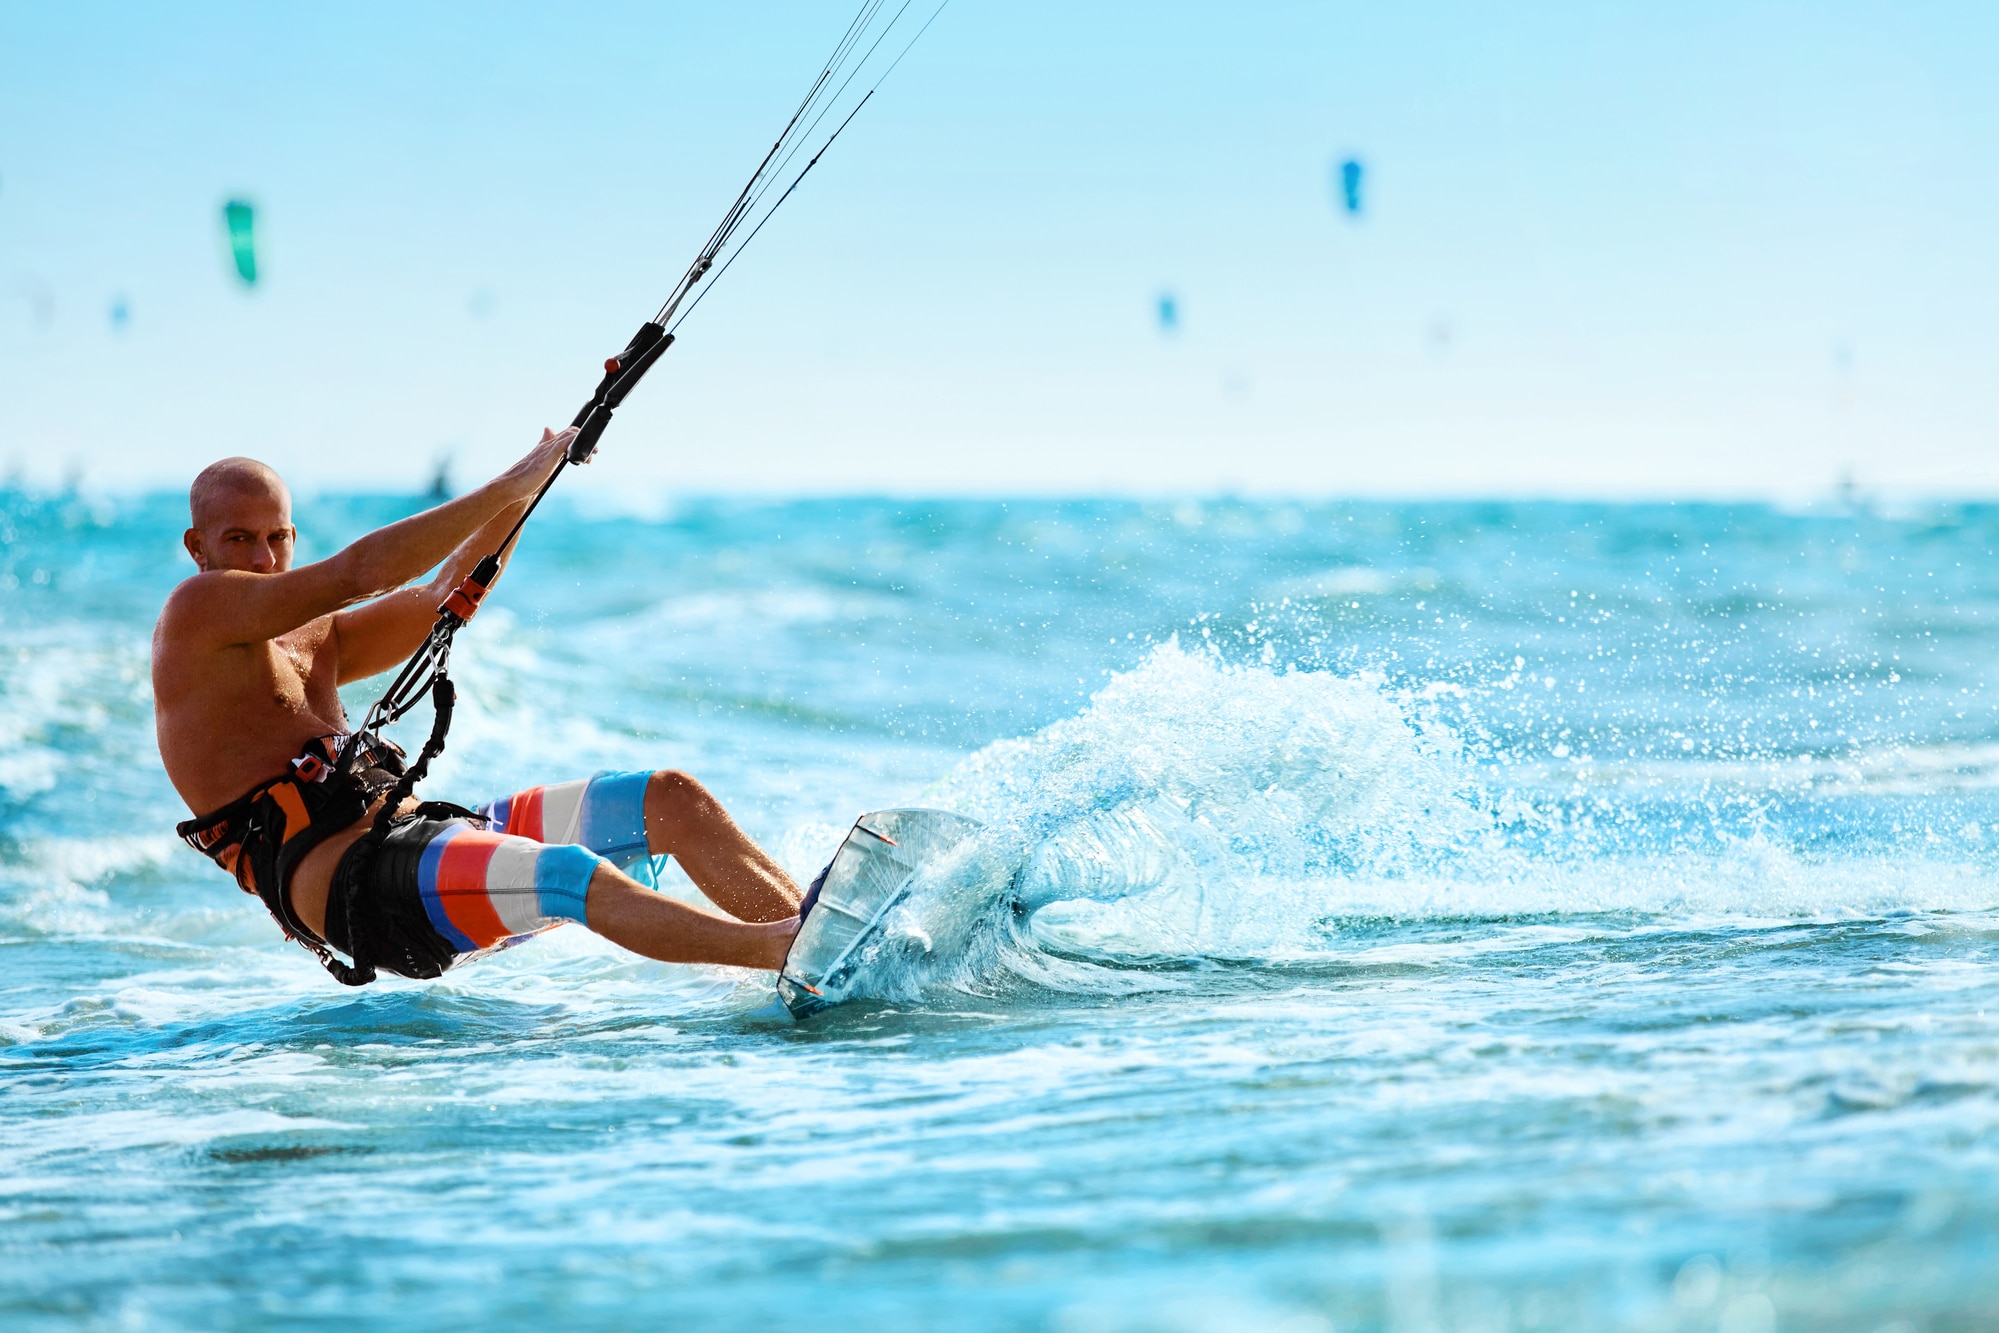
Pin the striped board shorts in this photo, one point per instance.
(442, 891)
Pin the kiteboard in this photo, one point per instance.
(884, 856)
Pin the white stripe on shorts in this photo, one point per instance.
(562, 811)
(510, 885)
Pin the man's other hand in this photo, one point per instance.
(525, 477)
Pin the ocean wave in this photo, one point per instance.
(1902, 769)
(1355, 581)
(61, 885)
(70, 693)
(110, 1131)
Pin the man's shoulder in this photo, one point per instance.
(213, 600)
(195, 591)
(196, 603)
(184, 601)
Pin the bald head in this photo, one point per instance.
(221, 484)
(241, 512)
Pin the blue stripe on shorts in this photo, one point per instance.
(614, 817)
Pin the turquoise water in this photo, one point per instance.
(1415, 917)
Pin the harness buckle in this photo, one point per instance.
(311, 768)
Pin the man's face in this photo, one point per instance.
(248, 528)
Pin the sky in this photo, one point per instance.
(1699, 250)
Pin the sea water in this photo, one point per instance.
(1426, 916)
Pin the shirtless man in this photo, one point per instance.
(247, 656)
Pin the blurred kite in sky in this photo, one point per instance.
(1350, 171)
(1169, 313)
(241, 219)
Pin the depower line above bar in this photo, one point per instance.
(821, 100)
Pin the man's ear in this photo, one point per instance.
(191, 539)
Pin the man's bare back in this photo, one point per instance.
(249, 654)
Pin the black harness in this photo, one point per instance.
(261, 836)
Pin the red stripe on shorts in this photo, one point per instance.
(524, 814)
(461, 886)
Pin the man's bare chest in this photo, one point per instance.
(297, 672)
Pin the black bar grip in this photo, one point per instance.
(621, 373)
(635, 367)
(593, 419)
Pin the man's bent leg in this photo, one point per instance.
(629, 914)
(624, 816)
(439, 891)
(684, 819)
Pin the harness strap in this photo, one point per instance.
(261, 836)
(348, 803)
(360, 858)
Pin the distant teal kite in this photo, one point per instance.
(241, 219)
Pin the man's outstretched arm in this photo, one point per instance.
(218, 608)
(378, 636)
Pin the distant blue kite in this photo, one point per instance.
(1349, 186)
(1169, 313)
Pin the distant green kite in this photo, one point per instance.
(241, 219)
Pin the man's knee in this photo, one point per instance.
(603, 891)
(678, 801)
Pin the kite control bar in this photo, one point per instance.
(621, 375)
